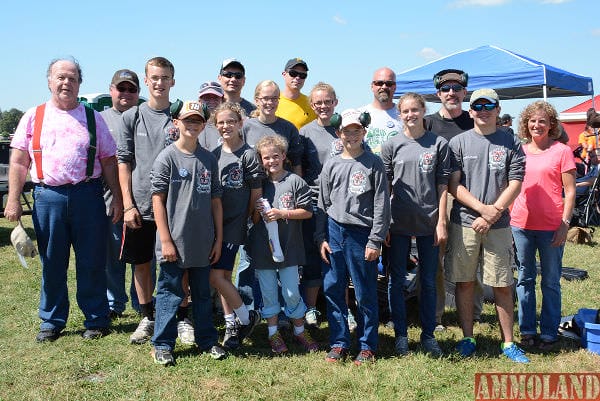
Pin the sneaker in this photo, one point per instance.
(307, 341)
(515, 353)
(93, 334)
(143, 332)
(336, 354)
(431, 346)
(277, 344)
(364, 356)
(47, 335)
(231, 339)
(216, 352)
(163, 357)
(185, 332)
(466, 347)
(401, 345)
(246, 329)
(352, 325)
(312, 317)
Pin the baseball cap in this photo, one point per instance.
(211, 87)
(190, 108)
(450, 75)
(485, 93)
(125, 76)
(293, 62)
(506, 118)
(231, 62)
(349, 117)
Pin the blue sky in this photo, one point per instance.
(343, 42)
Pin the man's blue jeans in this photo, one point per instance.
(527, 242)
(169, 295)
(347, 245)
(65, 216)
(428, 264)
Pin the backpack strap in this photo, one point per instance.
(37, 133)
(91, 126)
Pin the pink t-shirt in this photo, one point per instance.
(539, 206)
(64, 141)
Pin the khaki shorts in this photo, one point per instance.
(464, 249)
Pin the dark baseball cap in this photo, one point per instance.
(295, 62)
(125, 76)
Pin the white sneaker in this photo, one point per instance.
(143, 332)
(312, 317)
(185, 332)
(352, 325)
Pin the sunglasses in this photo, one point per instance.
(230, 74)
(381, 83)
(486, 106)
(300, 74)
(455, 88)
(129, 89)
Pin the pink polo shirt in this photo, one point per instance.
(64, 141)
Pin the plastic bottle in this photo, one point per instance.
(273, 231)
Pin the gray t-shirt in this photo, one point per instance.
(112, 118)
(143, 134)
(289, 193)
(209, 138)
(239, 172)
(319, 143)
(487, 164)
(355, 191)
(190, 182)
(253, 130)
(415, 168)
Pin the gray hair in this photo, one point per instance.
(70, 59)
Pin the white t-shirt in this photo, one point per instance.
(384, 125)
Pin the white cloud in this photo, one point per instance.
(429, 54)
(479, 3)
(339, 20)
(596, 32)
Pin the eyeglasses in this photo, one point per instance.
(455, 88)
(128, 89)
(267, 99)
(226, 122)
(326, 102)
(155, 78)
(300, 74)
(381, 83)
(486, 106)
(230, 74)
(193, 121)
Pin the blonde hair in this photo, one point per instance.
(322, 86)
(258, 89)
(414, 96)
(276, 141)
(235, 108)
(539, 105)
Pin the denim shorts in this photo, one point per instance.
(138, 244)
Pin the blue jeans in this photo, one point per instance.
(169, 295)
(347, 258)
(428, 264)
(526, 243)
(294, 305)
(65, 216)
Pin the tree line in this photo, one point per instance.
(9, 121)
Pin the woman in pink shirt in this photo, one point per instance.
(540, 220)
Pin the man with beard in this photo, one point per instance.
(384, 113)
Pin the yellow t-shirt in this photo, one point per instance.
(297, 111)
(588, 141)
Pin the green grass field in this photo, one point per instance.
(112, 369)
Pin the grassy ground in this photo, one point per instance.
(112, 369)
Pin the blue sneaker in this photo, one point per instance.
(515, 353)
(466, 347)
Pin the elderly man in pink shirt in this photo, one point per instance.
(69, 208)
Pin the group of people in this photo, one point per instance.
(303, 196)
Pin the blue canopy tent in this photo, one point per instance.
(512, 75)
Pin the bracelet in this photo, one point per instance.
(128, 208)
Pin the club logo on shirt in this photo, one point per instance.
(183, 172)
(358, 182)
(203, 186)
(497, 158)
(286, 201)
(171, 135)
(336, 147)
(426, 162)
(234, 177)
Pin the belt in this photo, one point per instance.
(69, 185)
